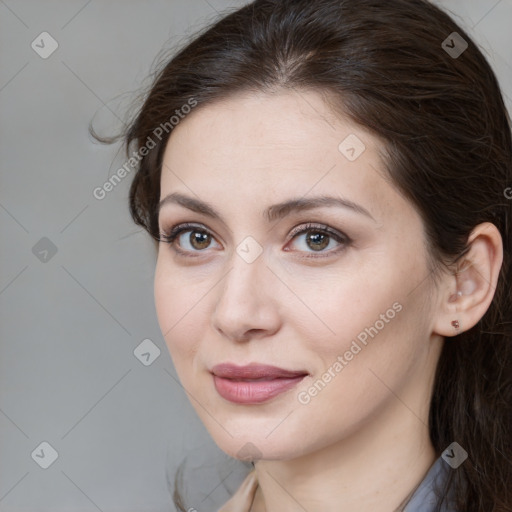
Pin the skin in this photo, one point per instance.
(363, 439)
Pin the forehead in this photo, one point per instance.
(280, 121)
(274, 146)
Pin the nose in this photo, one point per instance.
(247, 302)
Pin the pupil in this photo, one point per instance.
(196, 236)
(315, 239)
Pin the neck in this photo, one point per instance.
(376, 468)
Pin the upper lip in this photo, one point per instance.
(253, 371)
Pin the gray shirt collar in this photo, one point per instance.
(424, 498)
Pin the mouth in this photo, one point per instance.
(254, 383)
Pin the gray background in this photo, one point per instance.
(69, 325)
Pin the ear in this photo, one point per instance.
(468, 293)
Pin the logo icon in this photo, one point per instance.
(454, 455)
(146, 352)
(249, 451)
(454, 45)
(44, 45)
(248, 249)
(44, 250)
(45, 455)
(351, 147)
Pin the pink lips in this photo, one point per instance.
(254, 383)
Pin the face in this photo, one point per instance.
(335, 293)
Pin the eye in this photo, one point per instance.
(198, 239)
(318, 237)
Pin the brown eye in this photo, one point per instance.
(198, 239)
(317, 238)
(317, 241)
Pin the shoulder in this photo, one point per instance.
(426, 497)
(242, 500)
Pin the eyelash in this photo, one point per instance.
(170, 237)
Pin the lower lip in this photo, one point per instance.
(253, 392)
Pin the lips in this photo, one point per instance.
(253, 383)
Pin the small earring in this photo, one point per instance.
(455, 324)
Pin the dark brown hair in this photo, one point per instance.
(448, 138)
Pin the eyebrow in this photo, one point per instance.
(276, 211)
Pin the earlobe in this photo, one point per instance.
(470, 289)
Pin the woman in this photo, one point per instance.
(326, 182)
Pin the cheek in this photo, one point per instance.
(337, 306)
(380, 336)
(177, 304)
(363, 320)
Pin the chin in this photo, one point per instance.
(248, 450)
(258, 445)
